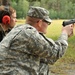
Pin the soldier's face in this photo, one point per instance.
(13, 20)
(44, 26)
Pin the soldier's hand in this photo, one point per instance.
(68, 30)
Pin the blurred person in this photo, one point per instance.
(7, 20)
(26, 51)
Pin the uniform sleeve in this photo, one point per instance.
(59, 48)
(28, 41)
(46, 48)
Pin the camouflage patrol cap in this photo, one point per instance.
(39, 12)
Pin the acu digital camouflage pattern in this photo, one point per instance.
(26, 52)
(39, 12)
(3, 33)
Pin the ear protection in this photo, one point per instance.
(5, 18)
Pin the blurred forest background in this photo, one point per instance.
(59, 9)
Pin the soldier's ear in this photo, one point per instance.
(39, 23)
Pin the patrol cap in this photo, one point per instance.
(39, 12)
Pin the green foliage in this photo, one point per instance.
(21, 7)
(33, 0)
(53, 14)
(59, 9)
(36, 3)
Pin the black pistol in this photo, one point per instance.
(68, 22)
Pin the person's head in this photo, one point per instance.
(7, 16)
(39, 18)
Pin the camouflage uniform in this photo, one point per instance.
(3, 33)
(22, 49)
(25, 51)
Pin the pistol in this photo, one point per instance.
(68, 22)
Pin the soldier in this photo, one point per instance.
(7, 20)
(26, 51)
